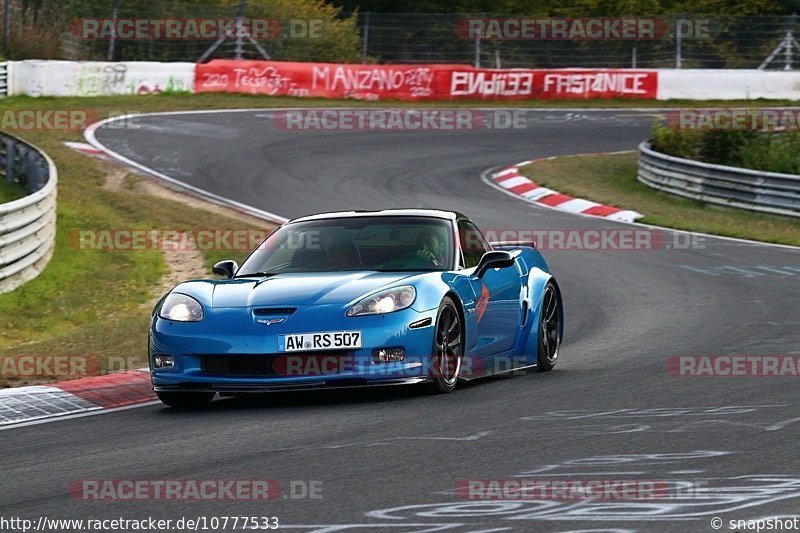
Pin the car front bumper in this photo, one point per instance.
(247, 350)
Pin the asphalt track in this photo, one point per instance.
(390, 459)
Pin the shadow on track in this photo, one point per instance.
(353, 397)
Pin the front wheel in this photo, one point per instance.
(185, 400)
(448, 342)
(549, 328)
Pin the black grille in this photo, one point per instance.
(265, 365)
(236, 365)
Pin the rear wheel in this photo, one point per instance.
(448, 342)
(185, 400)
(549, 328)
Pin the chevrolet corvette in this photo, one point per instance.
(355, 299)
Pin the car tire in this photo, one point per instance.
(185, 400)
(549, 328)
(448, 348)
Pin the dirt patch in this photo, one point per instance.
(115, 179)
(182, 264)
(124, 179)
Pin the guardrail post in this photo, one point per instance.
(9, 160)
(18, 172)
(32, 171)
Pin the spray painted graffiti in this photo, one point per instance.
(99, 79)
(718, 496)
(689, 493)
(725, 496)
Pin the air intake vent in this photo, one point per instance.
(270, 311)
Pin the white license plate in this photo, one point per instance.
(326, 340)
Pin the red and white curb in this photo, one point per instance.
(87, 149)
(69, 398)
(509, 179)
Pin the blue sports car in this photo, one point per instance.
(358, 299)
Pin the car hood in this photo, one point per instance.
(299, 289)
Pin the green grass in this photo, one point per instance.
(10, 191)
(186, 101)
(611, 179)
(97, 303)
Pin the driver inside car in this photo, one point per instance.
(431, 247)
(339, 254)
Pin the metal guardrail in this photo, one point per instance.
(3, 79)
(27, 225)
(769, 192)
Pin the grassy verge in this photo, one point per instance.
(97, 303)
(186, 101)
(611, 179)
(94, 303)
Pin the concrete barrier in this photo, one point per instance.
(99, 78)
(697, 84)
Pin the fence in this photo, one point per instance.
(736, 187)
(687, 41)
(27, 225)
(704, 42)
(701, 42)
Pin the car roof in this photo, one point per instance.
(431, 213)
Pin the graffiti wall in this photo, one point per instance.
(99, 78)
(421, 82)
(393, 82)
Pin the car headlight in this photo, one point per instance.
(181, 308)
(386, 301)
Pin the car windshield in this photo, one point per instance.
(358, 243)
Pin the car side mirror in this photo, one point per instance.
(494, 259)
(226, 269)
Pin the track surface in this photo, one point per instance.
(390, 459)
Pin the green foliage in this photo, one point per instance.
(778, 152)
(34, 33)
(576, 8)
(330, 38)
(684, 144)
(741, 32)
(319, 31)
(757, 150)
